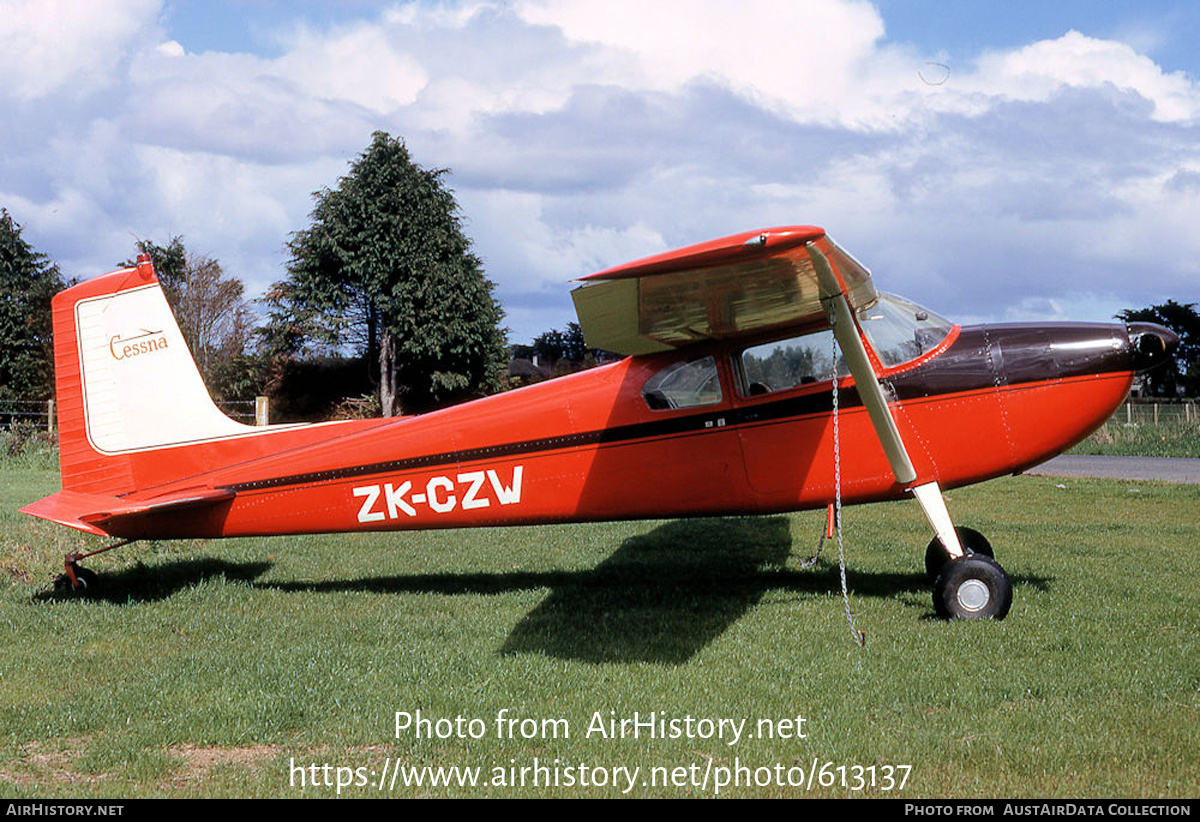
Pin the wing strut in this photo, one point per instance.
(845, 331)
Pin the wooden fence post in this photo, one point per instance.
(262, 411)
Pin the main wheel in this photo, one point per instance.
(972, 587)
(972, 542)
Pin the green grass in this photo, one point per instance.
(1143, 440)
(1147, 429)
(210, 668)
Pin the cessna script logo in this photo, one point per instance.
(467, 491)
(124, 348)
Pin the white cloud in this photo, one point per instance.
(1040, 70)
(171, 48)
(242, 106)
(817, 61)
(511, 230)
(74, 46)
(359, 65)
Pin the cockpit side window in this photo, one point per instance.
(684, 385)
(783, 364)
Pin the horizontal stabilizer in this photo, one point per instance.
(106, 516)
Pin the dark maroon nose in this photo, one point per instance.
(1150, 345)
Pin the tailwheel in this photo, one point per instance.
(76, 579)
(80, 579)
(972, 542)
(972, 587)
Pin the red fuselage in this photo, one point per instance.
(988, 401)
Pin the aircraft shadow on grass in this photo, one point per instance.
(151, 583)
(661, 597)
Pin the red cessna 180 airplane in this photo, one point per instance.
(727, 403)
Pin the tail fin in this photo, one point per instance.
(125, 380)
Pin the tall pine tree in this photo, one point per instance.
(385, 267)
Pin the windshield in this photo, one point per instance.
(900, 330)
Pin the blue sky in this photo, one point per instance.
(1163, 31)
(995, 161)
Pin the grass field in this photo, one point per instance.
(245, 667)
(1147, 430)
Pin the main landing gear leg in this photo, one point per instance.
(77, 578)
(967, 582)
(969, 586)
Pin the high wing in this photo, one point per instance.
(730, 287)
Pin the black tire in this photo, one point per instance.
(973, 587)
(972, 542)
(85, 580)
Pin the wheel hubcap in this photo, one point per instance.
(973, 596)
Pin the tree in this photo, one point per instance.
(554, 345)
(386, 269)
(1181, 376)
(213, 315)
(28, 281)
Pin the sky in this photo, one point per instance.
(995, 162)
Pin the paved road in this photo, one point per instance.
(1168, 469)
